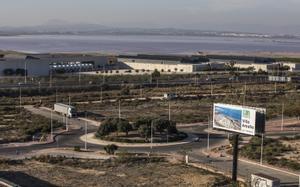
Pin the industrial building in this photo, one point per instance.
(17, 65)
(169, 64)
(267, 67)
(43, 64)
(293, 67)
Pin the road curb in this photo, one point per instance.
(92, 140)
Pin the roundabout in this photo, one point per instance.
(92, 139)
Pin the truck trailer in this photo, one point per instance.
(66, 110)
(262, 180)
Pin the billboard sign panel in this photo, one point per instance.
(238, 119)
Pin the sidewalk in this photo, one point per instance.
(93, 140)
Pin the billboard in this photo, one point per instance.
(240, 119)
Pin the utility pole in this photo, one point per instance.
(151, 135)
(39, 87)
(56, 95)
(119, 109)
(261, 149)
(67, 127)
(141, 91)
(69, 100)
(208, 133)
(85, 143)
(169, 111)
(50, 81)
(282, 111)
(169, 121)
(20, 96)
(101, 96)
(79, 75)
(51, 125)
(245, 90)
(25, 73)
(103, 77)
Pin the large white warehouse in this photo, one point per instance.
(167, 64)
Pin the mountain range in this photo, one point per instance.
(58, 27)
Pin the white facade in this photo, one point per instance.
(294, 67)
(258, 66)
(168, 66)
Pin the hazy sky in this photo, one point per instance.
(279, 16)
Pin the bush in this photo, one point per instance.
(111, 149)
(77, 148)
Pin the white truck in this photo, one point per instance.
(262, 180)
(170, 96)
(66, 110)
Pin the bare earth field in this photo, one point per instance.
(293, 155)
(72, 172)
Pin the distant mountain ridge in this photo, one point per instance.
(58, 27)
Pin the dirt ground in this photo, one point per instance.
(74, 172)
(293, 155)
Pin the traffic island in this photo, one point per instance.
(92, 139)
(145, 132)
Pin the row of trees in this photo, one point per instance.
(11, 72)
(143, 126)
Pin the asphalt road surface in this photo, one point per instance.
(71, 139)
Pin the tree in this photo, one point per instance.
(8, 72)
(145, 131)
(230, 65)
(155, 74)
(111, 149)
(125, 91)
(108, 126)
(20, 72)
(160, 125)
(142, 121)
(124, 126)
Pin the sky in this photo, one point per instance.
(267, 16)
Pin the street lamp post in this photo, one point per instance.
(261, 149)
(101, 96)
(51, 127)
(20, 96)
(85, 143)
(39, 87)
(282, 111)
(151, 146)
(119, 109)
(25, 73)
(208, 133)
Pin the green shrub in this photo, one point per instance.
(111, 149)
(77, 148)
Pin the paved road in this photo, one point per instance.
(71, 139)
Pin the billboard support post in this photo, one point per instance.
(235, 157)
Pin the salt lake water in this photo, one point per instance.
(144, 44)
